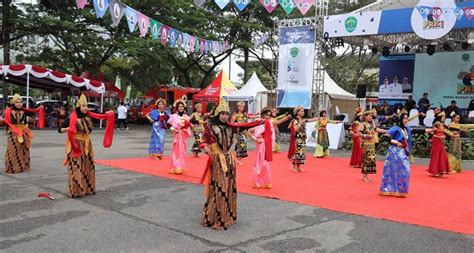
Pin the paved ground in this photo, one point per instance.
(140, 213)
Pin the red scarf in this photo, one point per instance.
(267, 136)
(15, 130)
(292, 148)
(109, 129)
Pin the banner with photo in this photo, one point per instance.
(295, 67)
(396, 77)
(445, 77)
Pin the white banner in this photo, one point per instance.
(353, 24)
(295, 67)
(335, 132)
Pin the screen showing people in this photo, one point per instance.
(395, 87)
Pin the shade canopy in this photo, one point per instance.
(220, 87)
(249, 91)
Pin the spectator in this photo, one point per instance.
(122, 116)
(410, 104)
(423, 106)
(406, 85)
(452, 109)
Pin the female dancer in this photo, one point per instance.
(439, 162)
(241, 146)
(276, 144)
(455, 156)
(158, 117)
(396, 170)
(19, 135)
(180, 123)
(369, 133)
(322, 146)
(357, 152)
(264, 136)
(297, 149)
(79, 152)
(198, 122)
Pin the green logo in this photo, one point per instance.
(465, 57)
(294, 52)
(351, 24)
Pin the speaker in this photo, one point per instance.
(361, 90)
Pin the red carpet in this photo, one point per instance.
(446, 203)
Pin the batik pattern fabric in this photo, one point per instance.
(81, 169)
(299, 156)
(368, 146)
(241, 145)
(158, 132)
(17, 156)
(322, 141)
(439, 162)
(455, 154)
(181, 133)
(396, 171)
(220, 210)
(198, 131)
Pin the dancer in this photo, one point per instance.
(220, 209)
(264, 135)
(297, 149)
(369, 137)
(357, 152)
(322, 143)
(455, 156)
(180, 123)
(158, 117)
(240, 117)
(198, 122)
(439, 162)
(396, 170)
(19, 135)
(79, 152)
(276, 143)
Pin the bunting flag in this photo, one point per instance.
(222, 3)
(173, 36)
(459, 13)
(117, 10)
(81, 4)
(164, 34)
(469, 12)
(155, 28)
(304, 5)
(101, 7)
(192, 43)
(202, 46)
(448, 12)
(270, 5)
(132, 18)
(241, 4)
(179, 40)
(287, 5)
(143, 24)
(199, 3)
(424, 11)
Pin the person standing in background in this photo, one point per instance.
(122, 116)
(423, 106)
(410, 104)
(452, 110)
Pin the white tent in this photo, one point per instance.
(335, 91)
(250, 92)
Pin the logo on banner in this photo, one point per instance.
(432, 19)
(465, 57)
(350, 24)
(210, 90)
(294, 52)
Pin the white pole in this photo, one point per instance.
(27, 88)
(101, 107)
(230, 64)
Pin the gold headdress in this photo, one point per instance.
(181, 100)
(160, 100)
(196, 105)
(297, 109)
(367, 112)
(374, 111)
(82, 101)
(16, 98)
(222, 107)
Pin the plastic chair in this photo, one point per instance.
(429, 118)
(416, 121)
(471, 114)
(447, 121)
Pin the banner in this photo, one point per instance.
(287, 5)
(222, 3)
(199, 3)
(143, 24)
(132, 18)
(81, 4)
(353, 24)
(445, 76)
(241, 4)
(117, 11)
(164, 34)
(101, 7)
(295, 67)
(396, 77)
(304, 5)
(270, 5)
(155, 28)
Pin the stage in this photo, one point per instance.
(445, 203)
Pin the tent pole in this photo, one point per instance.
(101, 107)
(27, 89)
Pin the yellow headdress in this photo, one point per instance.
(196, 105)
(82, 101)
(16, 98)
(374, 111)
(222, 107)
(160, 100)
(297, 109)
(181, 100)
(368, 112)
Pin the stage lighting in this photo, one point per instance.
(339, 42)
(447, 47)
(407, 49)
(431, 49)
(386, 51)
(375, 50)
(465, 45)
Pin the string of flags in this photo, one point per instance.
(270, 5)
(157, 30)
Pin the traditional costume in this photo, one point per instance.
(220, 209)
(322, 141)
(198, 121)
(158, 130)
(180, 124)
(369, 138)
(455, 154)
(357, 151)
(19, 135)
(439, 162)
(241, 145)
(79, 151)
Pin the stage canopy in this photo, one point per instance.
(40, 78)
(220, 87)
(249, 91)
(335, 91)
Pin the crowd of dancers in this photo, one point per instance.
(223, 137)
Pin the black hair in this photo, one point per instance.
(400, 120)
(322, 112)
(122, 103)
(265, 111)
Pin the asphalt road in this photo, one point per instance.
(140, 213)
